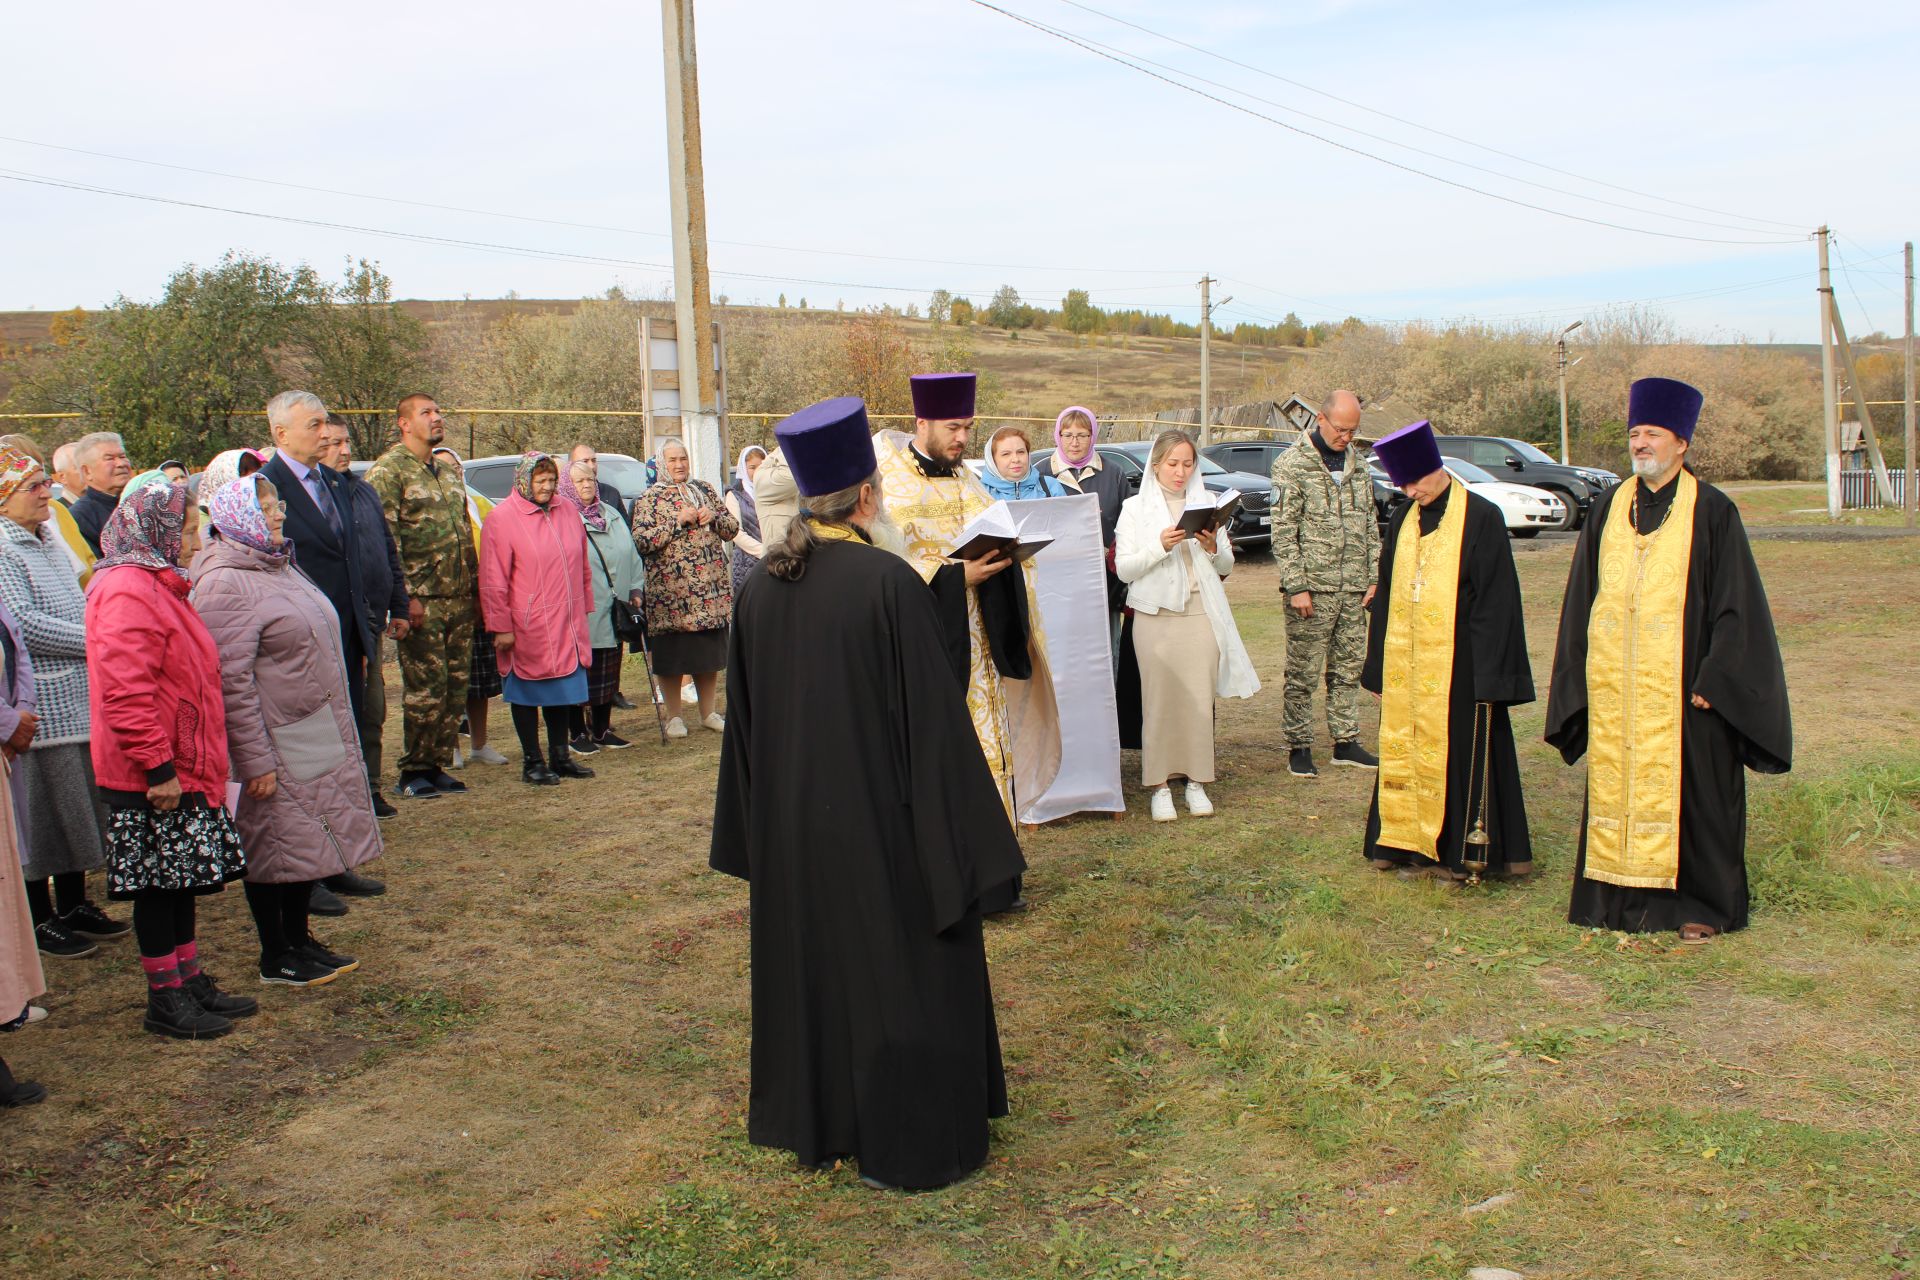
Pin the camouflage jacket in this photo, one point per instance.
(427, 511)
(1325, 535)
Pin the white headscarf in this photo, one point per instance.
(741, 474)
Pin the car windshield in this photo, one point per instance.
(1468, 472)
(1532, 453)
(1139, 453)
(628, 475)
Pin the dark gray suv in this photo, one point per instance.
(1523, 463)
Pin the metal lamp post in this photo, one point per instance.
(1560, 353)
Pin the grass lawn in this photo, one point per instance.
(1234, 1051)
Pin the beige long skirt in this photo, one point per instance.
(20, 979)
(1178, 657)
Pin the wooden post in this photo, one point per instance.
(692, 300)
(1874, 457)
(1830, 406)
(1911, 480)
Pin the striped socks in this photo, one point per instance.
(163, 972)
(187, 956)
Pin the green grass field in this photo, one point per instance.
(1233, 1049)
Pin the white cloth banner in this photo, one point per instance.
(1070, 581)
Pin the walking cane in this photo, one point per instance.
(646, 663)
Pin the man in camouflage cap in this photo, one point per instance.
(426, 507)
(1326, 544)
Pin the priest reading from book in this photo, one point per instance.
(1667, 677)
(1447, 653)
(989, 623)
(853, 798)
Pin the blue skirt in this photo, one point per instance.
(561, 691)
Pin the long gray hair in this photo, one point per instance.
(787, 559)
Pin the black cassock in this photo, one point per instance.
(1489, 665)
(854, 799)
(1731, 659)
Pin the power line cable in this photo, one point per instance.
(1415, 124)
(1069, 38)
(1395, 142)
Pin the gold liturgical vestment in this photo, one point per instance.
(1418, 681)
(1637, 693)
(930, 512)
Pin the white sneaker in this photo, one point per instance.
(676, 728)
(716, 722)
(458, 762)
(1197, 803)
(1163, 805)
(486, 755)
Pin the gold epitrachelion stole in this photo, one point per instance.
(1636, 694)
(1416, 679)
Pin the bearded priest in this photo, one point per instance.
(1447, 653)
(1667, 677)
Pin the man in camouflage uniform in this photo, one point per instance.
(1326, 544)
(426, 507)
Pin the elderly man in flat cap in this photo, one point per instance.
(1667, 677)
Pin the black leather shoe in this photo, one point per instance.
(354, 885)
(207, 994)
(1300, 763)
(537, 774)
(18, 1093)
(570, 768)
(1352, 753)
(623, 702)
(446, 784)
(172, 1012)
(323, 902)
(383, 810)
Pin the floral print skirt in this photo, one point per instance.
(195, 848)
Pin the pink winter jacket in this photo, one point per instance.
(285, 685)
(534, 583)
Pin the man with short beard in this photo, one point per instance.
(1667, 677)
(426, 507)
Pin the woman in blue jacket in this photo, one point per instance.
(1008, 475)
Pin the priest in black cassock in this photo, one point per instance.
(1447, 653)
(853, 797)
(1667, 677)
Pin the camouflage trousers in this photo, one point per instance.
(434, 659)
(1332, 643)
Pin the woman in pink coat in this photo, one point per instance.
(534, 597)
(305, 811)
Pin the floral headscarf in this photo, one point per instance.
(523, 474)
(16, 468)
(235, 512)
(593, 513)
(224, 470)
(146, 479)
(146, 529)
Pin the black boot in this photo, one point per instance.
(536, 773)
(215, 1001)
(173, 1012)
(18, 1093)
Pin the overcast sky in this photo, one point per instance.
(869, 150)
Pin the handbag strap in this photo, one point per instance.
(605, 572)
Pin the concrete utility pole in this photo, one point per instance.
(1910, 495)
(1206, 363)
(1830, 406)
(692, 301)
(1560, 352)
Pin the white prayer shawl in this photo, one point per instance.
(1158, 579)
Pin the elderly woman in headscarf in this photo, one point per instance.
(305, 812)
(614, 565)
(160, 754)
(535, 594)
(227, 466)
(743, 504)
(53, 780)
(679, 525)
(1076, 463)
(483, 667)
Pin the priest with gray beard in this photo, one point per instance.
(855, 801)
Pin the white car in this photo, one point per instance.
(1527, 510)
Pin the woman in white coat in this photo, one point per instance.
(1184, 637)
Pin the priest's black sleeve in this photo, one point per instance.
(949, 584)
(733, 794)
(1567, 688)
(1739, 671)
(1377, 611)
(1496, 622)
(1003, 610)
